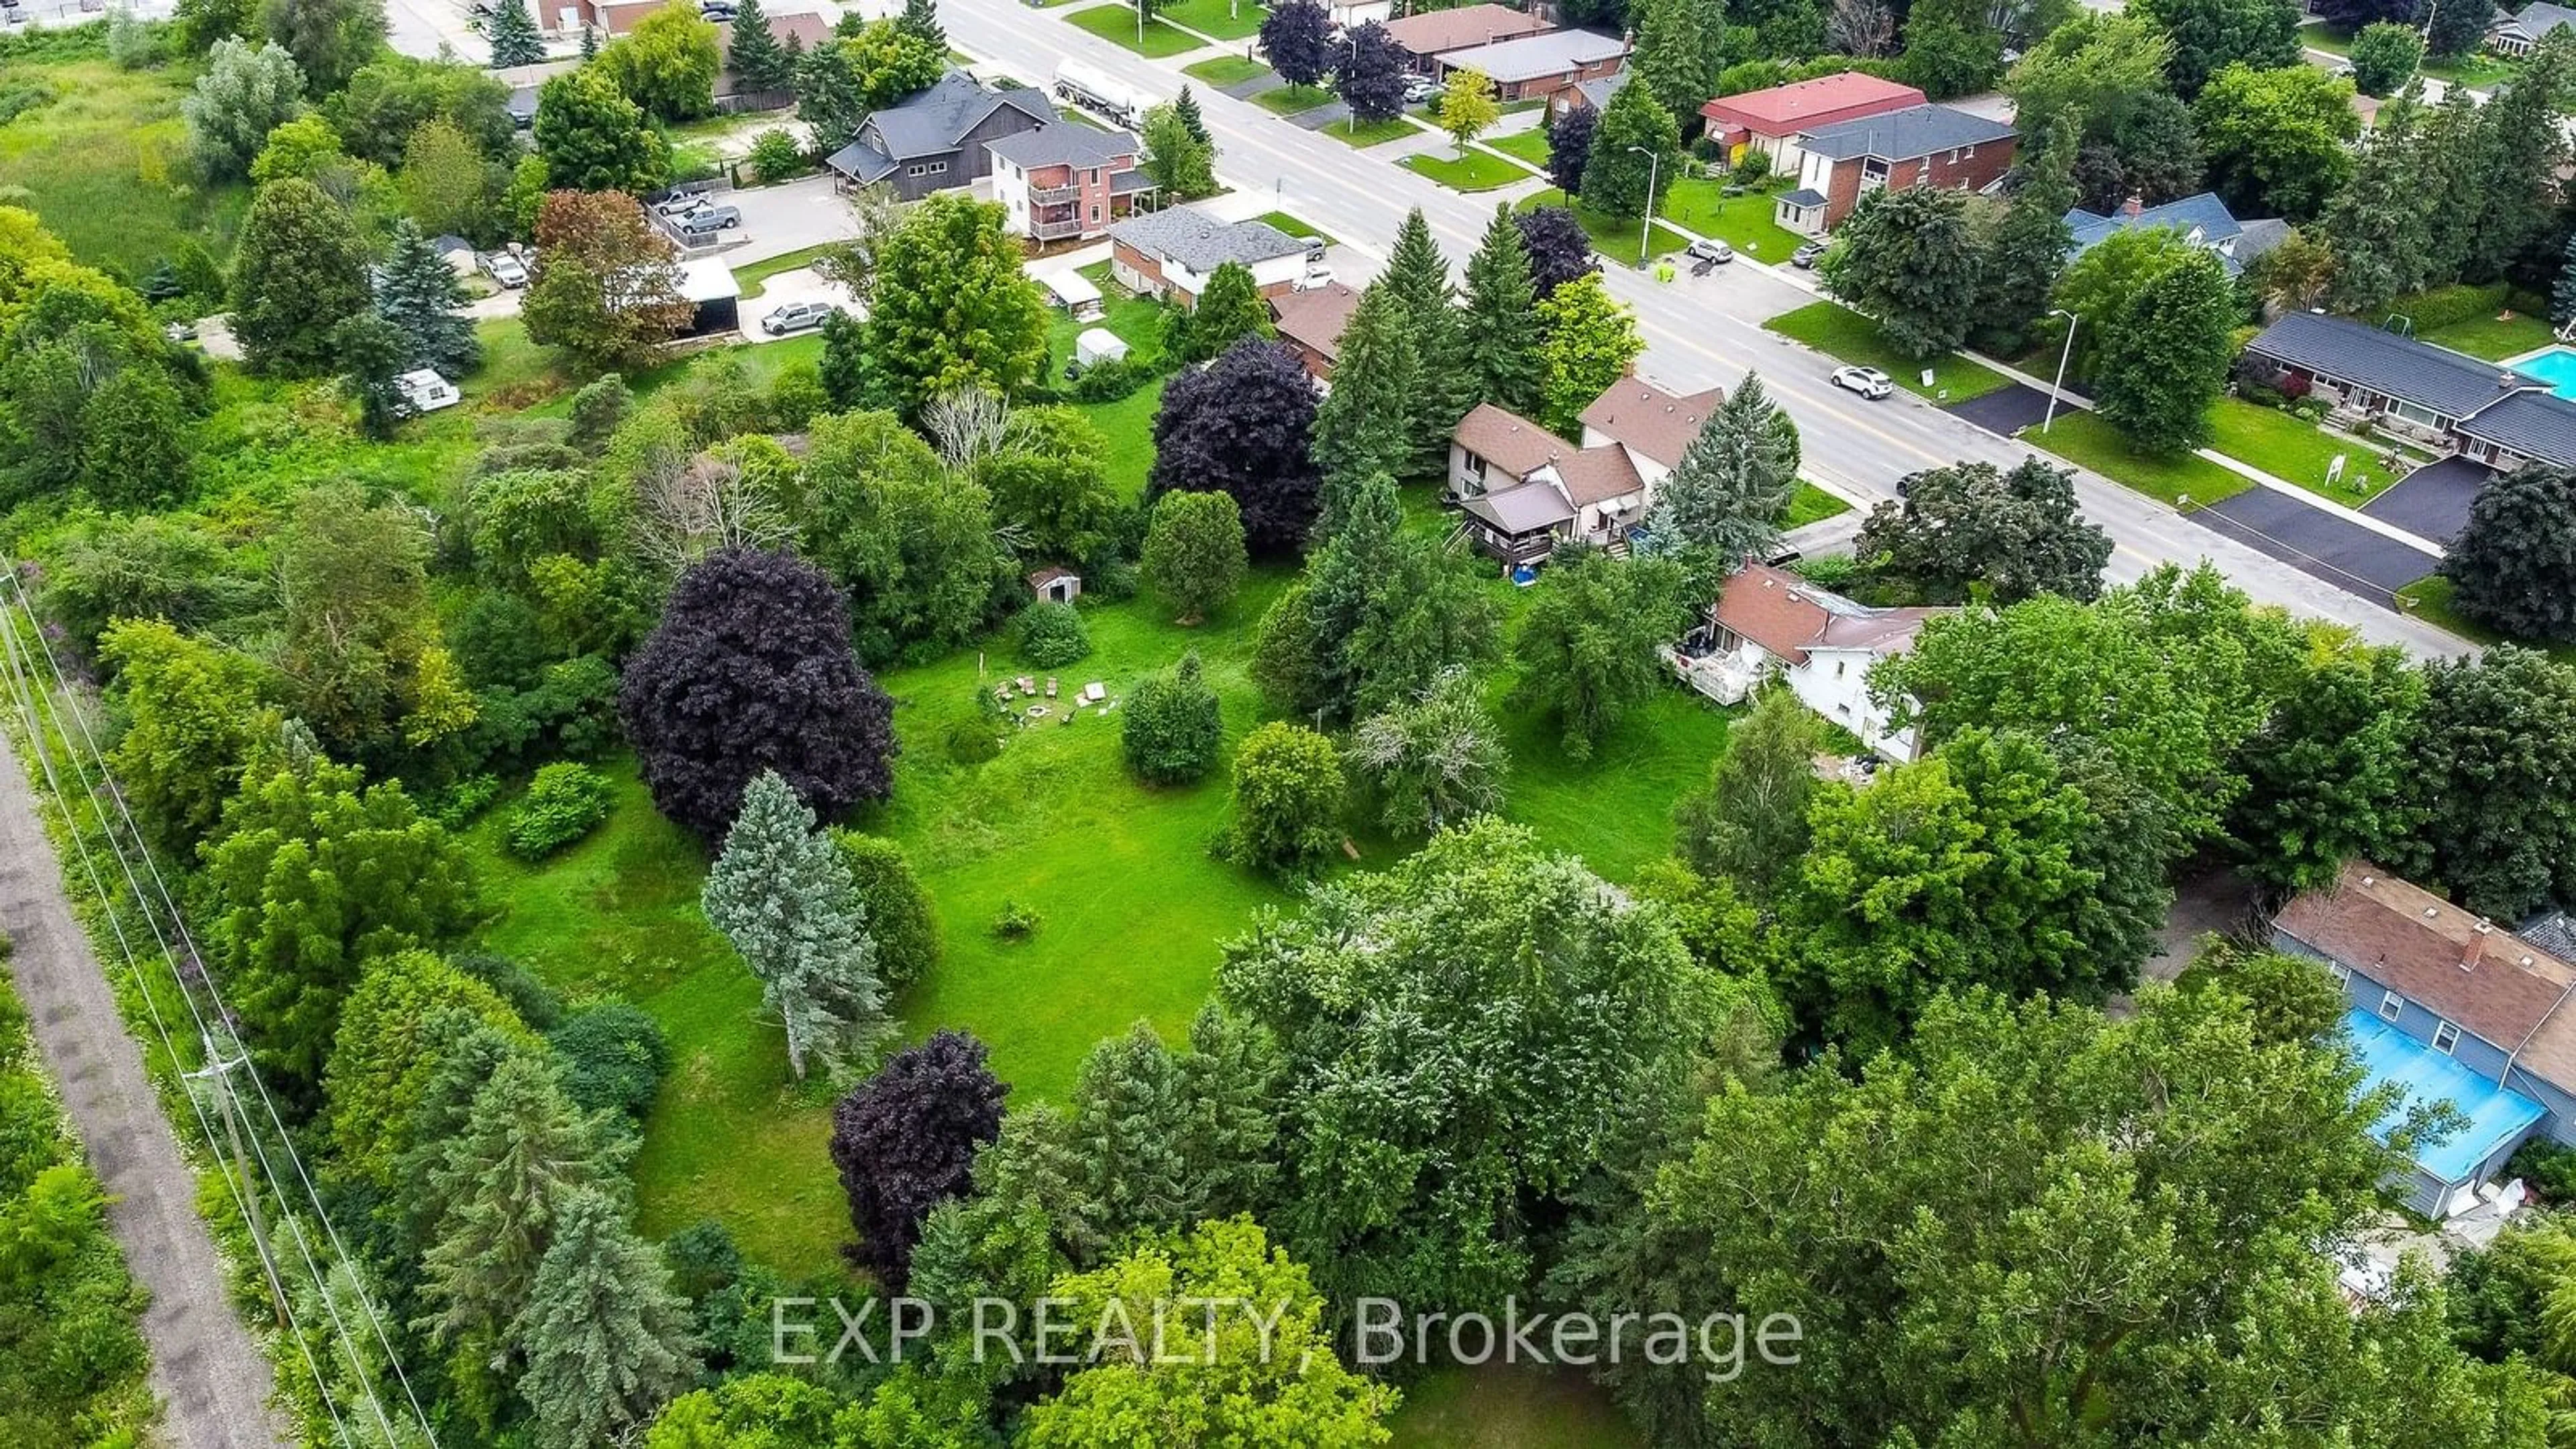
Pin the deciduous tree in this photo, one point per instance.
(905, 1142)
(1229, 310)
(783, 898)
(1952, 47)
(2326, 777)
(1194, 553)
(751, 670)
(1288, 797)
(2166, 355)
(1368, 73)
(2278, 142)
(1434, 760)
(898, 911)
(1636, 145)
(1674, 53)
(2384, 57)
(1750, 825)
(1467, 107)
(667, 64)
(951, 308)
(1297, 39)
(1170, 730)
(299, 273)
(2025, 251)
(2494, 754)
(1592, 342)
(593, 138)
(1973, 530)
(1559, 248)
(1569, 147)
(329, 39)
(2210, 35)
(1241, 426)
(1177, 158)
(448, 185)
(1587, 644)
(195, 714)
(607, 286)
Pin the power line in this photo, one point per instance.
(20, 677)
(178, 924)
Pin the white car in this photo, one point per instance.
(1869, 382)
(1709, 251)
(1419, 89)
(1318, 276)
(505, 269)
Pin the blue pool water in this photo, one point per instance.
(2556, 367)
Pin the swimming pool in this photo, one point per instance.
(2555, 366)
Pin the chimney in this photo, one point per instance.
(2134, 205)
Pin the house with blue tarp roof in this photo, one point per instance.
(2445, 1007)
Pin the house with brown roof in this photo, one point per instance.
(1434, 33)
(1310, 322)
(1523, 489)
(2445, 1006)
(1770, 624)
(1653, 424)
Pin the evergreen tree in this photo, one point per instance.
(2027, 250)
(501, 1184)
(372, 360)
(419, 293)
(1367, 424)
(1672, 56)
(2513, 567)
(1732, 486)
(513, 33)
(1907, 259)
(606, 1337)
(783, 898)
(2525, 152)
(1128, 1115)
(1502, 328)
(469, 1053)
(2562, 294)
(2381, 226)
(759, 62)
(589, 44)
(1186, 106)
(920, 18)
(1418, 277)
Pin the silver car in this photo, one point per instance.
(795, 317)
(505, 269)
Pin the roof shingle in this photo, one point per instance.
(1201, 242)
(1656, 424)
(1903, 135)
(2452, 384)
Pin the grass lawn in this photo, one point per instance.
(1224, 19)
(1838, 331)
(1128, 423)
(1296, 226)
(2429, 598)
(2478, 69)
(1477, 172)
(1289, 100)
(1224, 70)
(105, 164)
(2296, 451)
(1615, 809)
(2495, 338)
(1744, 221)
(2081, 438)
(1365, 134)
(1811, 504)
(754, 278)
(1615, 239)
(1529, 145)
(1117, 25)
(1499, 1406)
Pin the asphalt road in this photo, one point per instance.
(1699, 331)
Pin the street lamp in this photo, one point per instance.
(1351, 120)
(1646, 229)
(2062, 354)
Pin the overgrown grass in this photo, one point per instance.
(1615, 238)
(1838, 331)
(1476, 171)
(2081, 438)
(1128, 423)
(2495, 338)
(105, 164)
(1501, 1406)
(1744, 221)
(1224, 19)
(1225, 70)
(1290, 100)
(2293, 450)
(753, 278)
(1117, 25)
(2429, 599)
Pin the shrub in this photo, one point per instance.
(1052, 635)
(535, 1002)
(458, 804)
(1170, 727)
(1753, 168)
(776, 156)
(1109, 381)
(900, 918)
(613, 1057)
(1015, 922)
(797, 398)
(973, 741)
(564, 803)
(1288, 796)
(2440, 307)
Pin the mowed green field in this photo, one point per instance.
(104, 163)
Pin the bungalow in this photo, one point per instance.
(1591, 95)
(2487, 411)
(1524, 489)
(1769, 120)
(1425, 37)
(2445, 1006)
(458, 253)
(1310, 322)
(1065, 181)
(938, 137)
(2203, 220)
(1771, 624)
(1536, 67)
(2519, 35)
(1171, 253)
(1916, 146)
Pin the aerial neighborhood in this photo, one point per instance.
(1072, 724)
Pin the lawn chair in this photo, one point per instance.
(1028, 685)
(1050, 686)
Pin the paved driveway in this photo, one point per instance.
(2434, 500)
(2316, 542)
(788, 217)
(2005, 411)
(800, 285)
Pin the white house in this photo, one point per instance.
(1171, 254)
(1770, 623)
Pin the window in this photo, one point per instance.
(2340, 970)
(926, 168)
(1954, 155)
(2445, 1037)
(1095, 214)
(2391, 1006)
(1972, 153)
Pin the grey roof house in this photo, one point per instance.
(2519, 34)
(2489, 412)
(1170, 253)
(2204, 221)
(1536, 67)
(938, 138)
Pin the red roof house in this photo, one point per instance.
(1771, 120)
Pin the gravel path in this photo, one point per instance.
(207, 1370)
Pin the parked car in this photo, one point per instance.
(1318, 276)
(717, 10)
(505, 269)
(795, 317)
(1808, 255)
(1709, 251)
(682, 203)
(1869, 382)
(180, 332)
(708, 221)
(1420, 88)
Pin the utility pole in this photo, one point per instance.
(2062, 354)
(218, 1070)
(1646, 229)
